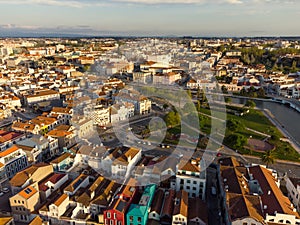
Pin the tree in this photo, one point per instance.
(172, 119)
(198, 93)
(237, 141)
(246, 59)
(165, 106)
(294, 66)
(268, 157)
(145, 132)
(243, 92)
(250, 104)
(198, 107)
(228, 100)
(261, 93)
(234, 125)
(275, 137)
(189, 93)
(224, 89)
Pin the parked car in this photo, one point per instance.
(5, 190)
(1, 194)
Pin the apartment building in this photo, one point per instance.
(41, 96)
(14, 160)
(117, 210)
(190, 179)
(30, 175)
(122, 166)
(293, 188)
(138, 213)
(166, 78)
(180, 211)
(9, 138)
(24, 203)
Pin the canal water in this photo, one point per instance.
(286, 116)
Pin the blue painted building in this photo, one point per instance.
(138, 213)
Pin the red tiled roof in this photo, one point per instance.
(9, 151)
(272, 196)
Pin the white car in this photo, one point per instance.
(5, 190)
(1, 194)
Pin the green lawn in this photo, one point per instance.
(256, 120)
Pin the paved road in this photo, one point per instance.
(213, 201)
(282, 167)
(285, 133)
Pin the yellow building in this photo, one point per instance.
(25, 202)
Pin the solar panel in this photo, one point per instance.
(75, 186)
(28, 191)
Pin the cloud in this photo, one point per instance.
(15, 26)
(62, 3)
(86, 3)
(154, 2)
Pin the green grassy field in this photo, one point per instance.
(256, 120)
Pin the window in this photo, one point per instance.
(130, 218)
(115, 216)
(108, 215)
(188, 181)
(139, 219)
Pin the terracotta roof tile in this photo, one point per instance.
(243, 206)
(9, 151)
(272, 195)
(181, 203)
(36, 221)
(28, 192)
(158, 201)
(60, 200)
(197, 208)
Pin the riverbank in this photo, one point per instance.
(259, 126)
(292, 103)
(284, 132)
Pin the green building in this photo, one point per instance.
(138, 213)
